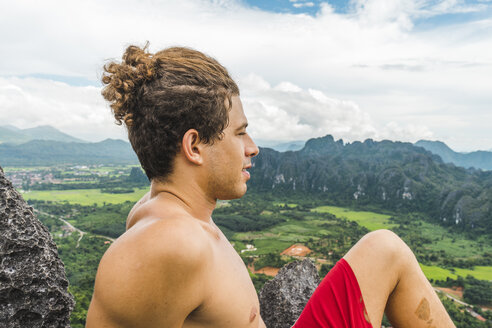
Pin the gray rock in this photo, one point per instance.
(33, 285)
(283, 298)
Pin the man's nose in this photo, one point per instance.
(251, 149)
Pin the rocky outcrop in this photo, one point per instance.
(283, 298)
(394, 176)
(33, 285)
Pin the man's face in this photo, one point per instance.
(230, 157)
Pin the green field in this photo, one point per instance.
(442, 240)
(7, 169)
(291, 205)
(453, 243)
(275, 239)
(112, 168)
(84, 196)
(437, 273)
(312, 228)
(370, 220)
(479, 272)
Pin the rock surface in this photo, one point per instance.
(33, 285)
(283, 298)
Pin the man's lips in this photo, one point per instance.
(246, 173)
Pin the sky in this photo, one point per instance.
(399, 70)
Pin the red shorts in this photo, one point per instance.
(337, 302)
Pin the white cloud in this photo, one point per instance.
(375, 56)
(410, 132)
(286, 112)
(404, 11)
(77, 111)
(303, 4)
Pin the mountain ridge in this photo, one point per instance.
(480, 159)
(47, 152)
(13, 135)
(396, 176)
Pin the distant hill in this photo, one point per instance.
(9, 135)
(45, 152)
(282, 146)
(388, 175)
(477, 159)
(14, 135)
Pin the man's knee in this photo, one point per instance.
(386, 245)
(382, 257)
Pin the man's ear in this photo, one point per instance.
(192, 147)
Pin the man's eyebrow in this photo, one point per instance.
(243, 126)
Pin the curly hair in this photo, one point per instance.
(161, 96)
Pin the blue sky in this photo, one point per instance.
(295, 7)
(399, 70)
(345, 7)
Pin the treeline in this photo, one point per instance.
(115, 185)
(81, 266)
(475, 291)
(245, 222)
(462, 318)
(270, 260)
(249, 214)
(107, 219)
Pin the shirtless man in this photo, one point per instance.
(173, 267)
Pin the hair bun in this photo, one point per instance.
(123, 79)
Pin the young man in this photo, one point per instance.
(173, 267)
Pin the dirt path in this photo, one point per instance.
(296, 250)
(469, 307)
(269, 271)
(72, 228)
(456, 292)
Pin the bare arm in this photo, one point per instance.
(150, 278)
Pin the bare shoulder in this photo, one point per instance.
(151, 274)
(130, 221)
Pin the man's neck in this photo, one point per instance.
(186, 195)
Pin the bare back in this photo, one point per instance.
(170, 269)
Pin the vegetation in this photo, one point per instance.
(462, 317)
(81, 266)
(271, 260)
(475, 291)
(271, 224)
(108, 220)
(381, 176)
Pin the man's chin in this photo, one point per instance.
(234, 195)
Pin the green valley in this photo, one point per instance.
(262, 227)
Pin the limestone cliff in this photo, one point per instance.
(33, 285)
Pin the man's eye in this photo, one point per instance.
(242, 133)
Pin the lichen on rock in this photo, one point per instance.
(33, 284)
(283, 298)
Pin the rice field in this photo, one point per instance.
(437, 273)
(84, 196)
(370, 220)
